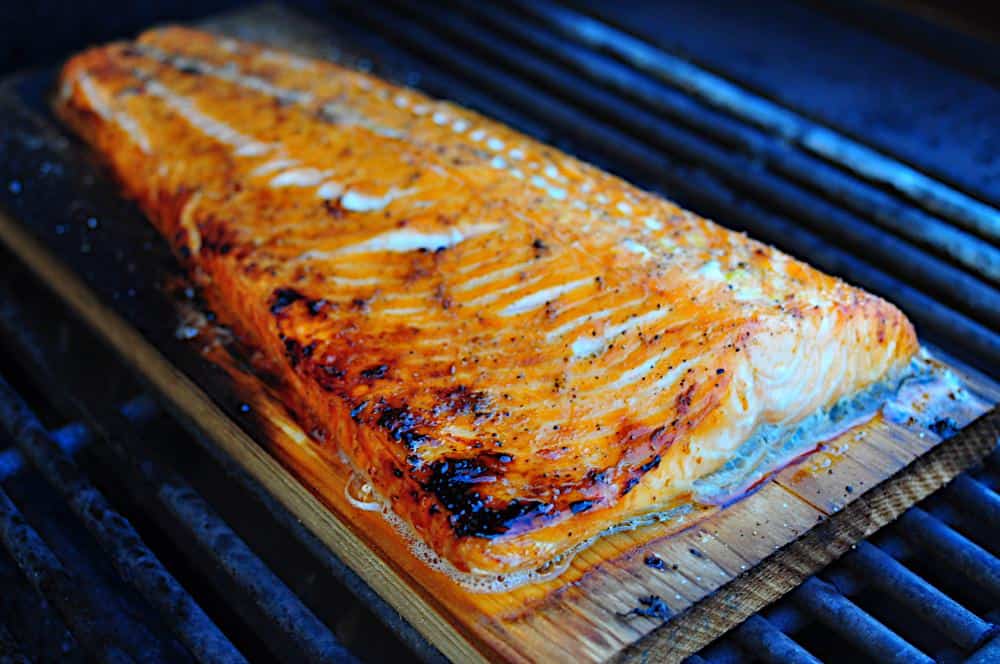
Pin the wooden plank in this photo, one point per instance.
(723, 566)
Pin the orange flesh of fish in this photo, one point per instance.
(517, 350)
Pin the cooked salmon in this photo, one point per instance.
(516, 350)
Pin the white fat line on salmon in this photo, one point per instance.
(495, 295)
(553, 173)
(211, 127)
(329, 190)
(493, 259)
(402, 311)
(287, 59)
(489, 277)
(299, 177)
(644, 398)
(356, 201)
(254, 149)
(634, 358)
(637, 247)
(586, 346)
(353, 281)
(274, 165)
(634, 365)
(416, 294)
(593, 316)
(586, 379)
(103, 107)
(552, 190)
(637, 373)
(404, 240)
(229, 72)
(539, 298)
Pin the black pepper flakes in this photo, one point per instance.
(651, 607)
(654, 561)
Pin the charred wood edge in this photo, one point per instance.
(793, 564)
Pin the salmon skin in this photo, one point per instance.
(518, 351)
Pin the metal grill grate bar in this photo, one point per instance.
(978, 499)
(954, 549)
(822, 600)
(988, 654)
(89, 623)
(949, 509)
(249, 575)
(962, 626)
(201, 525)
(853, 578)
(251, 588)
(136, 563)
(75, 436)
(759, 636)
(312, 639)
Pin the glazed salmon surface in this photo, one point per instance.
(517, 350)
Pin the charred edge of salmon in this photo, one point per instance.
(453, 479)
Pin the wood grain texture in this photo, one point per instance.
(716, 572)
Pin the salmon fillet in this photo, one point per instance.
(517, 350)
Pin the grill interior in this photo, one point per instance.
(99, 484)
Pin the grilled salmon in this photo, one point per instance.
(516, 350)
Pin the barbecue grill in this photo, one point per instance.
(125, 537)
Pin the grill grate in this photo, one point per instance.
(255, 581)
